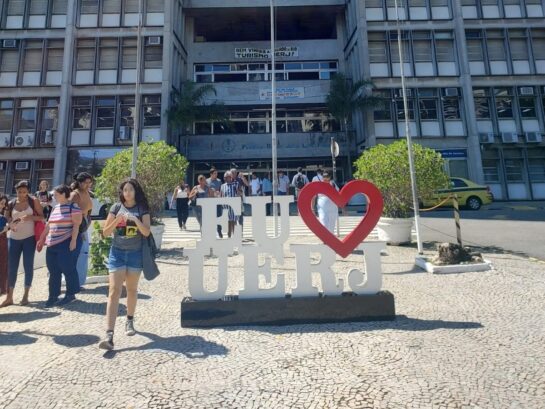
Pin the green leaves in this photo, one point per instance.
(98, 251)
(159, 169)
(387, 166)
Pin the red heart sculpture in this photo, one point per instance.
(367, 224)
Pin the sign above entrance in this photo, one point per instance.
(265, 53)
(283, 93)
(453, 153)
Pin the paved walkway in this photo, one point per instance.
(460, 341)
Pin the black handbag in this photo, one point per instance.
(149, 254)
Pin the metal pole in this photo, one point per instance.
(408, 136)
(334, 162)
(273, 118)
(457, 220)
(137, 102)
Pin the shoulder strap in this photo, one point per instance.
(117, 208)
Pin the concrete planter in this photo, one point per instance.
(98, 279)
(425, 264)
(394, 231)
(158, 230)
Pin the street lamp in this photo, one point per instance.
(273, 117)
(137, 92)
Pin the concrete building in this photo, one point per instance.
(475, 72)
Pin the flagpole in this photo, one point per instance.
(408, 136)
(273, 118)
(137, 92)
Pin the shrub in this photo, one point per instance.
(158, 169)
(98, 252)
(387, 166)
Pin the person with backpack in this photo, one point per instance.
(80, 195)
(62, 238)
(129, 220)
(299, 181)
(23, 214)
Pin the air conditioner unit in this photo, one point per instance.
(509, 137)
(155, 40)
(526, 90)
(124, 133)
(533, 137)
(19, 166)
(486, 137)
(24, 141)
(9, 43)
(48, 137)
(451, 92)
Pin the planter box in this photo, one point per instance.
(98, 279)
(158, 230)
(423, 263)
(394, 231)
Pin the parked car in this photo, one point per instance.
(470, 194)
(100, 210)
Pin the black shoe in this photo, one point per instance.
(108, 342)
(51, 302)
(66, 300)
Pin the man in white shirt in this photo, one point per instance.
(319, 176)
(255, 185)
(283, 183)
(328, 212)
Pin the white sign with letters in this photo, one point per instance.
(282, 93)
(265, 53)
(358, 281)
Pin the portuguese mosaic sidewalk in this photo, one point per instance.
(473, 340)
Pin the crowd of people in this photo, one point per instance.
(58, 220)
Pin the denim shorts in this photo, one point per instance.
(124, 260)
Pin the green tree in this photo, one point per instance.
(189, 106)
(159, 168)
(387, 167)
(346, 97)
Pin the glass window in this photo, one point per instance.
(444, 46)
(155, 6)
(491, 170)
(152, 110)
(85, 55)
(295, 126)
(451, 105)
(10, 60)
(203, 128)
(33, 56)
(50, 114)
(27, 119)
(16, 7)
(108, 54)
(504, 103)
(377, 47)
(513, 170)
(89, 6)
(59, 6)
(518, 44)
(527, 107)
(394, 47)
(6, 115)
(474, 45)
(258, 126)
(428, 108)
(401, 110)
(111, 6)
(422, 48)
(129, 53)
(482, 103)
(536, 168)
(131, 6)
(495, 45)
(55, 54)
(81, 113)
(38, 7)
(538, 43)
(127, 111)
(105, 112)
(383, 110)
(153, 55)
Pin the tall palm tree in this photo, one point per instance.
(346, 97)
(189, 106)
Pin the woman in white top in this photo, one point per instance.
(22, 213)
(181, 196)
(327, 210)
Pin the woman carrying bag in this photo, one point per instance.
(129, 221)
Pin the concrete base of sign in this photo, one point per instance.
(423, 263)
(232, 311)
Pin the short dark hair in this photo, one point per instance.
(212, 170)
(320, 171)
(79, 178)
(23, 183)
(63, 190)
(299, 169)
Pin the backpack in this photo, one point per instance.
(300, 182)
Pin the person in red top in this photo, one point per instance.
(62, 238)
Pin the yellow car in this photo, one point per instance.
(470, 194)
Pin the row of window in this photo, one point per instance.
(255, 122)
(12, 172)
(503, 103)
(514, 165)
(19, 14)
(287, 71)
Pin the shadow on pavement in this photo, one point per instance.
(23, 317)
(97, 308)
(103, 289)
(401, 323)
(15, 338)
(69, 341)
(193, 347)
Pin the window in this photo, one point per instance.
(513, 170)
(153, 55)
(89, 6)
(451, 105)
(33, 56)
(127, 111)
(527, 104)
(414, 3)
(203, 128)
(474, 45)
(38, 7)
(152, 110)
(6, 115)
(495, 45)
(400, 106)
(394, 47)
(536, 164)
(538, 43)
(59, 6)
(85, 55)
(111, 6)
(491, 170)
(377, 47)
(55, 53)
(105, 112)
(427, 104)
(108, 54)
(16, 7)
(155, 6)
(457, 183)
(504, 103)
(373, 4)
(518, 44)
(439, 3)
(422, 48)
(482, 103)
(81, 113)
(50, 114)
(10, 60)
(26, 118)
(131, 6)
(383, 110)
(129, 53)
(444, 46)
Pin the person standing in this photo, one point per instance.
(61, 237)
(214, 183)
(200, 191)
(328, 212)
(3, 245)
(80, 196)
(267, 187)
(255, 185)
(45, 198)
(243, 184)
(299, 181)
(283, 183)
(181, 196)
(230, 189)
(22, 213)
(319, 176)
(129, 221)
